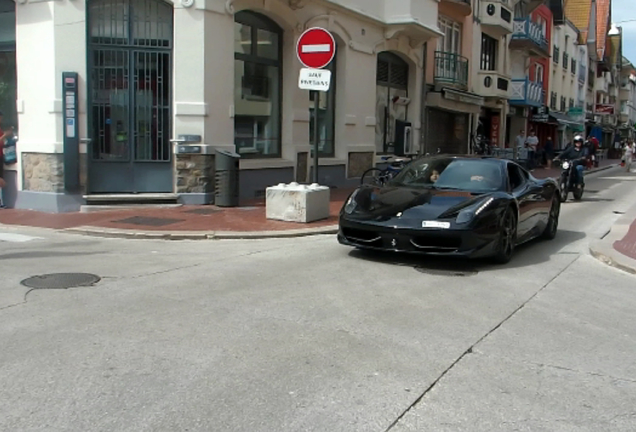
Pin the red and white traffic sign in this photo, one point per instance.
(316, 48)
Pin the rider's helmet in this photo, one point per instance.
(578, 138)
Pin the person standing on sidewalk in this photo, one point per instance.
(3, 138)
(532, 142)
(549, 151)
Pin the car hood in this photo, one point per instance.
(412, 203)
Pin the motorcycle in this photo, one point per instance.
(568, 181)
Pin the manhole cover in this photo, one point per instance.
(148, 221)
(204, 211)
(61, 280)
(443, 270)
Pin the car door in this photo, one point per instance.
(535, 204)
(519, 189)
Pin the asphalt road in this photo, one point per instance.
(307, 335)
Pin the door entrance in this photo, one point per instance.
(129, 96)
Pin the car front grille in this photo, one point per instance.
(365, 237)
(433, 243)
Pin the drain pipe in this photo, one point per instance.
(423, 116)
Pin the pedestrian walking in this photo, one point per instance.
(628, 154)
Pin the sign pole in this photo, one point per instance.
(316, 134)
(315, 49)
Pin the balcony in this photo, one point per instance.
(582, 73)
(460, 7)
(451, 69)
(492, 84)
(528, 36)
(496, 17)
(526, 92)
(416, 19)
(601, 84)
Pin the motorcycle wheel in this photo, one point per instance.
(578, 193)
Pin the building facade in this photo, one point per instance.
(530, 59)
(627, 91)
(151, 71)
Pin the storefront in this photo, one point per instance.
(153, 74)
(449, 115)
(544, 125)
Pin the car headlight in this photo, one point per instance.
(566, 165)
(469, 213)
(351, 203)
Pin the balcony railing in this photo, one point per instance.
(526, 92)
(451, 68)
(525, 30)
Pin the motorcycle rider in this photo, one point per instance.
(577, 154)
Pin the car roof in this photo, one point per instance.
(471, 157)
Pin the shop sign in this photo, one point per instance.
(604, 109)
(540, 118)
(494, 130)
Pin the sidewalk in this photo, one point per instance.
(195, 222)
(618, 248)
(555, 172)
(183, 222)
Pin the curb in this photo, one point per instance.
(603, 249)
(200, 235)
(595, 170)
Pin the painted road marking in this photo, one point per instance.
(16, 238)
(316, 48)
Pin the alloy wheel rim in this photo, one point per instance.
(554, 216)
(508, 231)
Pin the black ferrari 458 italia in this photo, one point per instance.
(469, 206)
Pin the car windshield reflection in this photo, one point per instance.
(473, 175)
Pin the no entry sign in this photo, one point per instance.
(316, 48)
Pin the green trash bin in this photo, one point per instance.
(226, 178)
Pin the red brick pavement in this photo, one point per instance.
(249, 217)
(627, 246)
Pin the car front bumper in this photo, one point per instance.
(471, 243)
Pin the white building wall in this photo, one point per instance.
(51, 38)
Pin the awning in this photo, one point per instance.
(565, 119)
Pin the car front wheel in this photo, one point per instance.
(507, 237)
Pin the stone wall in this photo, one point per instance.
(359, 162)
(43, 172)
(195, 173)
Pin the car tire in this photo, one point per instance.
(507, 237)
(563, 192)
(552, 227)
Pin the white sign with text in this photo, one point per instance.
(314, 79)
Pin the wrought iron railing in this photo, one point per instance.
(451, 68)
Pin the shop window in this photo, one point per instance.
(392, 78)
(488, 53)
(326, 116)
(257, 86)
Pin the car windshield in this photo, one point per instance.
(473, 175)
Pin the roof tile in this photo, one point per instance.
(578, 12)
(603, 9)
